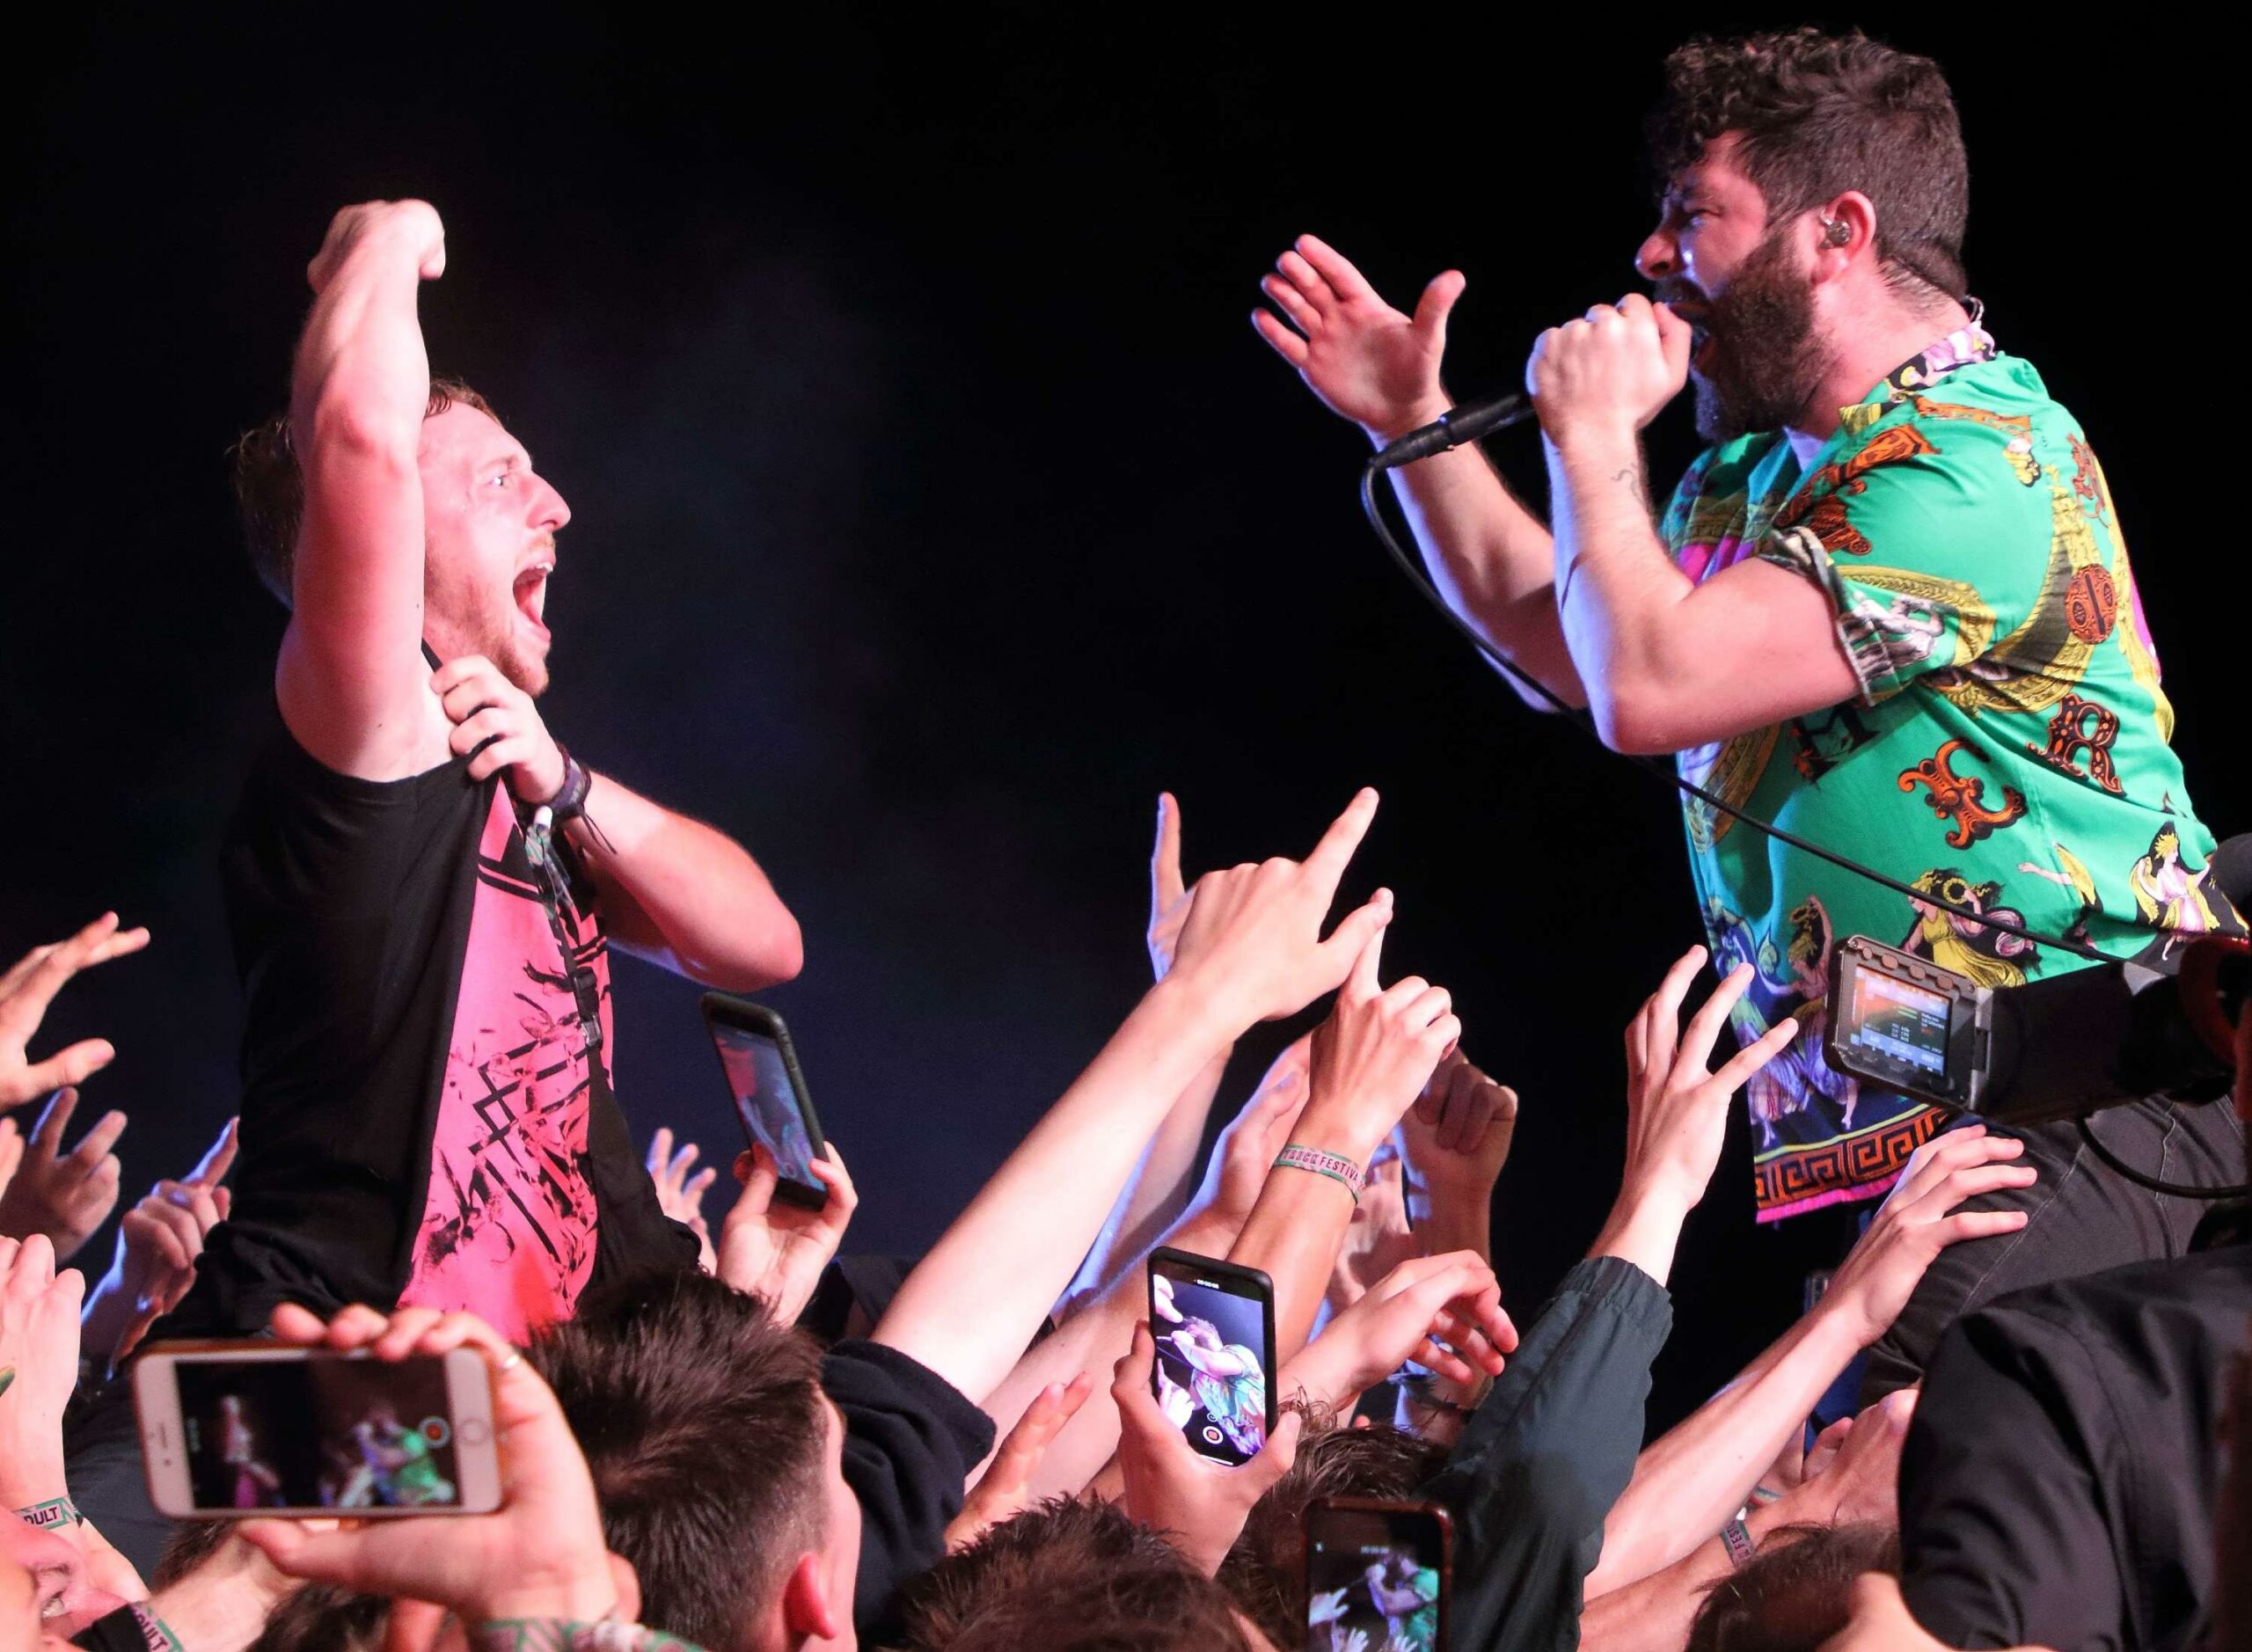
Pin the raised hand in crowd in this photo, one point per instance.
(39, 1369)
(1099, 1327)
(1443, 1312)
(158, 1242)
(1008, 1486)
(1370, 1060)
(1161, 1185)
(63, 1196)
(1918, 1220)
(776, 1250)
(1379, 1236)
(540, 1558)
(1251, 949)
(25, 990)
(1197, 1505)
(1454, 1142)
(1676, 1111)
(680, 1196)
(1367, 361)
(1688, 1484)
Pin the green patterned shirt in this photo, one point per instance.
(2007, 752)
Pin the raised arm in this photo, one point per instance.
(1490, 557)
(1689, 1483)
(1159, 1188)
(1371, 1058)
(1677, 1113)
(1252, 950)
(350, 680)
(1099, 1328)
(1657, 652)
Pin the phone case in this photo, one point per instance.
(723, 1009)
(1252, 1284)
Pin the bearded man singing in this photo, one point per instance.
(1890, 609)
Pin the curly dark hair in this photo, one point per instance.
(270, 489)
(1818, 114)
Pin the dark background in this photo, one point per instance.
(935, 506)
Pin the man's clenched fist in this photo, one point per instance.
(496, 727)
(412, 226)
(1611, 370)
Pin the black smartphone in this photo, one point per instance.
(761, 1068)
(1215, 1328)
(1380, 1570)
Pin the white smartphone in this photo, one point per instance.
(233, 1429)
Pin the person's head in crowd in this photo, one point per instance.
(1814, 186)
(1069, 1575)
(717, 1460)
(1795, 1593)
(489, 523)
(313, 1617)
(1265, 1572)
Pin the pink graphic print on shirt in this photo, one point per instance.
(508, 1229)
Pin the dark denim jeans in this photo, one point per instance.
(2086, 1217)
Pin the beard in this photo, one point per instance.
(1768, 360)
(491, 631)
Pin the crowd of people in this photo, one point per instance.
(715, 1429)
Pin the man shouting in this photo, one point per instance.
(421, 882)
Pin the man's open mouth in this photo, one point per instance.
(531, 591)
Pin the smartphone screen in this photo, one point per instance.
(1376, 1576)
(278, 1430)
(772, 1111)
(1214, 1330)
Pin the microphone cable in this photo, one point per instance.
(1501, 419)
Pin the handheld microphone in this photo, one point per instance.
(1452, 429)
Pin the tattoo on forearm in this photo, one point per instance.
(1632, 476)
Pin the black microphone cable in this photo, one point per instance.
(1464, 424)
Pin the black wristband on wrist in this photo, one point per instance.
(570, 800)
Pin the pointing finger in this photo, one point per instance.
(1166, 886)
(1335, 852)
(212, 1169)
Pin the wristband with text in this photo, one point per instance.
(55, 1512)
(1739, 1541)
(1336, 1166)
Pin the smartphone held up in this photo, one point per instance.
(1377, 1576)
(760, 1066)
(225, 1434)
(1214, 1325)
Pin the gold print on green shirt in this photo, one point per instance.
(2037, 665)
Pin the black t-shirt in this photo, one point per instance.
(2056, 1486)
(424, 1115)
(910, 1440)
